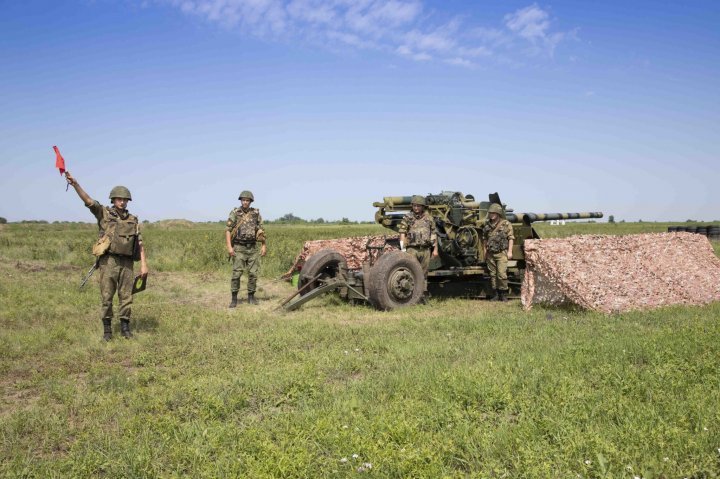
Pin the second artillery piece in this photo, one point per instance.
(391, 278)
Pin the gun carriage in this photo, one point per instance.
(391, 278)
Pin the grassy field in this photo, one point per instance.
(456, 388)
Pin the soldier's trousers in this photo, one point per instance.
(116, 274)
(422, 255)
(497, 264)
(247, 260)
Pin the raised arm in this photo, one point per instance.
(78, 189)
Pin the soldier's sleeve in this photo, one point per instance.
(232, 218)
(260, 235)
(97, 210)
(137, 229)
(403, 226)
(433, 231)
(509, 230)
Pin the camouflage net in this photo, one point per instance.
(354, 250)
(614, 274)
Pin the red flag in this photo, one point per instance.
(59, 160)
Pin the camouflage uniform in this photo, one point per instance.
(116, 266)
(497, 239)
(246, 232)
(420, 233)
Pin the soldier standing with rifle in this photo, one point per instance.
(119, 244)
(244, 231)
(497, 241)
(417, 233)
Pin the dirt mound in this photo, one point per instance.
(621, 273)
(354, 250)
(174, 223)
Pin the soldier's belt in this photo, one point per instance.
(245, 243)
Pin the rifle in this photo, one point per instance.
(95, 266)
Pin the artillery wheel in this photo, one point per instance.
(327, 263)
(396, 280)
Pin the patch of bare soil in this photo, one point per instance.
(614, 274)
(210, 291)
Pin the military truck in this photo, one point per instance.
(391, 278)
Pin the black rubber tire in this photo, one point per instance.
(395, 280)
(326, 262)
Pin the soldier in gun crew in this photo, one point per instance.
(417, 233)
(497, 241)
(243, 233)
(119, 244)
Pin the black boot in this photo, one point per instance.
(251, 298)
(125, 328)
(502, 293)
(107, 329)
(233, 300)
(496, 296)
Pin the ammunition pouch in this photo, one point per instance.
(419, 239)
(123, 237)
(244, 242)
(101, 246)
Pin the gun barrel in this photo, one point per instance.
(532, 217)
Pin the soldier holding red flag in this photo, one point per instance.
(119, 244)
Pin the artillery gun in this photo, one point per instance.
(391, 278)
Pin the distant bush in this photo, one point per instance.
(3, 220)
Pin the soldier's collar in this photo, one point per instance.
(122, 214)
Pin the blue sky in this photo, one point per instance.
(321, 107)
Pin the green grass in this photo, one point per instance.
(457, 388)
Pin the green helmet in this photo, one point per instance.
(246, 194)
(120, 192)
(495, 208)
(418, 200)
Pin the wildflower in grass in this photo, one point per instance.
(343, 460)
(666, 459)
(367, 465)
(355, 456)
(346, 351)
(345, 426)
(588, 462)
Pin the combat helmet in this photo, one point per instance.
(418, 200)
(246, 194)
(120, 192)
(495, 208)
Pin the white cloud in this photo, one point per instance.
(530, 22)
(400, 27)
(533, 25)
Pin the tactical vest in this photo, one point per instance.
(121, 232)
(246, 225)
(419, 230)
(496, 237)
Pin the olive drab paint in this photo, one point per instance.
(120, 192)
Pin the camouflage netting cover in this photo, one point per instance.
(621, 273)
(354, 250)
